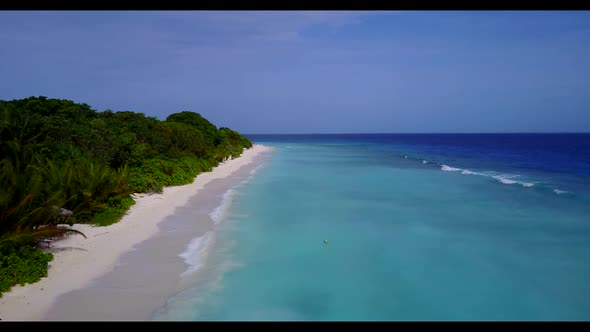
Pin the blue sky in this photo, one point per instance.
(311, 71)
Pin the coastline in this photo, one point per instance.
(78, 261)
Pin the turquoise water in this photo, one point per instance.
(406, 241)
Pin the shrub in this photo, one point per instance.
(112, 214)
(21, 265)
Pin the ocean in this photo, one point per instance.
(402, 227)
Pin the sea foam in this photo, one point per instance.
(193, 255)
(504, 178)
(255, 169)
(449, 168)
(219, 212)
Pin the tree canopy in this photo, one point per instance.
(59, 154)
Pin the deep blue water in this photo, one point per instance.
(557, 158)
(419, 227)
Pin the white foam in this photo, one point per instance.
(194, 254)
(559, 192)
(424, 161)
(406, 157)
(449, 169)
(219, 213)
(255, 169)
(504, 180)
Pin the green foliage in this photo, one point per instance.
(57, 154)
(195, 120)
(89, 187)
(155, 173)
(21, 265)
(28, 201)
(111, 214)
(178, 139)
(231, 144)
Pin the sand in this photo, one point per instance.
(79, 262)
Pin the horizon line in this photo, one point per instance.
(433, 133)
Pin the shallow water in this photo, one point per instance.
(418, 228)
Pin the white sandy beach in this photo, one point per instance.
(78, 260)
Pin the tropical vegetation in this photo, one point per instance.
(63, 162)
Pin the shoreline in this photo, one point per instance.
(78, 262)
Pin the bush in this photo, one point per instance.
(57, 154)
(156, 173)
(112, 214)
(21, 265)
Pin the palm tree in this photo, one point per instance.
(28, 203)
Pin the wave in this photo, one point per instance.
(194, 254)
(218, 214)
(449, 168)
(255, 169)
(560, 192)
(508, 179)
(504, 178)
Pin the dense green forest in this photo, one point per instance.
(62, 162)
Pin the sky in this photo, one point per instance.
(311, 71)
